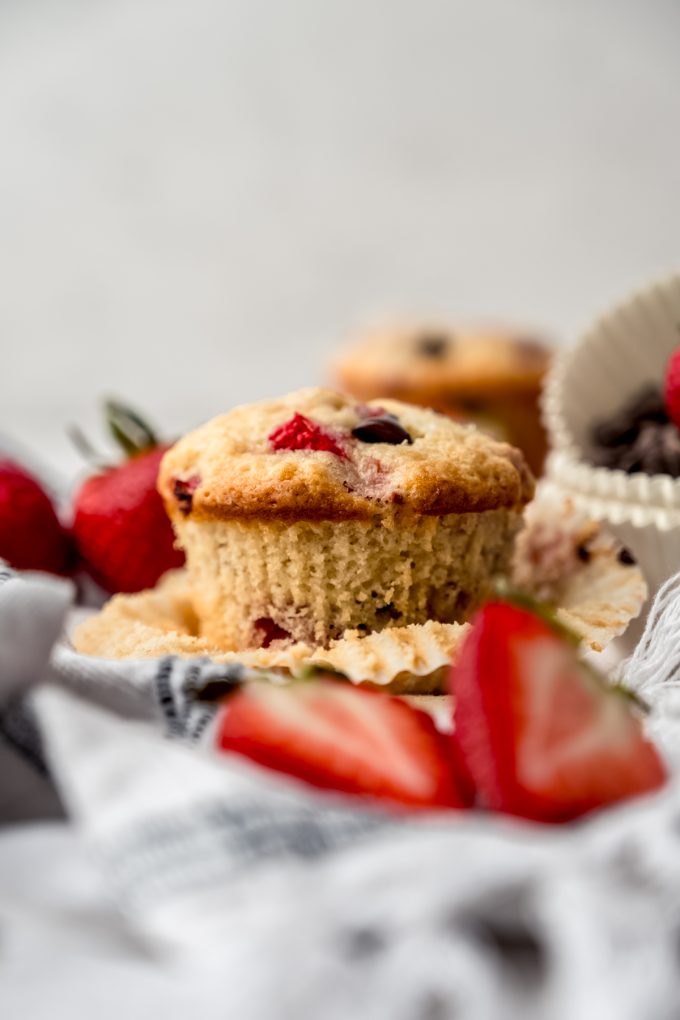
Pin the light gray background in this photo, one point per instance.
(198, 198)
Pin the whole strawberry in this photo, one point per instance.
(672, 388)
(123, 533)
(31, 537)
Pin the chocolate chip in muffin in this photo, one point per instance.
(583, 553)
(388, 612)
(383, 429)
(433, 345)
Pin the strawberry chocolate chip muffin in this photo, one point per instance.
(491, 377)
(304, 517)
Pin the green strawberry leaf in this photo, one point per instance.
(128, 428)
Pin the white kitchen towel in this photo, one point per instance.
(295, 904)
(310, 908)
(33, 609)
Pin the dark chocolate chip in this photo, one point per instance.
(384, 429)
(388, 612)
(433, 345)
(654, 450)
(583, 553)
(647, 405)
(626, 557)
(623, 428)
(615, 431)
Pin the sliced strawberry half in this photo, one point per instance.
(343, 738)
(541, 734)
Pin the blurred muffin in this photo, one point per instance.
(492, 378)
(310, 515)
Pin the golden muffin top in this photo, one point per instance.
(318, 455)
(404, 360)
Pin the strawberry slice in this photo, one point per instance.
(343, 738)
(541, 734)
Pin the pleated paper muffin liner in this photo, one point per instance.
(560, 556)
(625, 349)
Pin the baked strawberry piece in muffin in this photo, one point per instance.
(310, 515)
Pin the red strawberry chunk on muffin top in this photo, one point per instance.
(301, 433)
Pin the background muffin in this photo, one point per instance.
(310, 515)
(490, 377)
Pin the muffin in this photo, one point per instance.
(307, 516)
(489, 377)
(616, 451)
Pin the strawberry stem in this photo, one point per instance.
(85, 447)
(128, 428)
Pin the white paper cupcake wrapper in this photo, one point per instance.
(626, 348)
(653, 536)
(596, 596)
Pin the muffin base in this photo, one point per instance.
(596, 597)
(311, 581)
